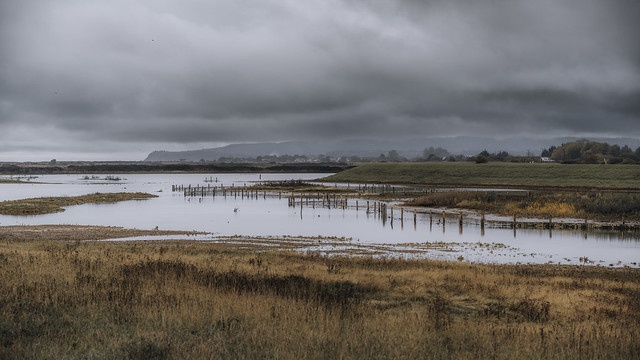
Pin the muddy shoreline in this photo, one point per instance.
(21, 233)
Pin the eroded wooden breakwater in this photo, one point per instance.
(354, 198)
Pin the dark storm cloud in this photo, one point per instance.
(160, 71)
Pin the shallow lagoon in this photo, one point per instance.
(260, 217)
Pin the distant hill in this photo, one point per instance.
(409, 148)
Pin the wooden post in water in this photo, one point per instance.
(367, 206)
(356, 205)
(515, 222)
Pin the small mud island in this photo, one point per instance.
(46, 205)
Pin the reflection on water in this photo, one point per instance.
(273, 216)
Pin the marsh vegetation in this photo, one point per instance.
(186, 299)
(536, 204)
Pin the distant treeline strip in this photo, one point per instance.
(139, 167)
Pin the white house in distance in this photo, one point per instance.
(546, 159)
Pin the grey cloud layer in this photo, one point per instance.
(252, 70)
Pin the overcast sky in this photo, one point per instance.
(95, 79)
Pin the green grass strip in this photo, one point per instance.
(496, 174)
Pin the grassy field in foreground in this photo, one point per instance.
(46, 205)
(496, 174)
(193, 300)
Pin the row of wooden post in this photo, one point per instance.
(335, 201)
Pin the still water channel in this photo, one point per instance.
(273, 217)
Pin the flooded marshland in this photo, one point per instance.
(264, 218)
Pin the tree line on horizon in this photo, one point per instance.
(581, 151)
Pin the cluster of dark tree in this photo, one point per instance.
(484, 156)
(429, 154)
(592, 152)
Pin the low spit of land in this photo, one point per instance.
(190, 299)
(12, 181)
(82, 167)
(46, 205)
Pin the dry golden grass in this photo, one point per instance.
(185, 299)
(543, 209)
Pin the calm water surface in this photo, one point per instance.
(273, 217)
